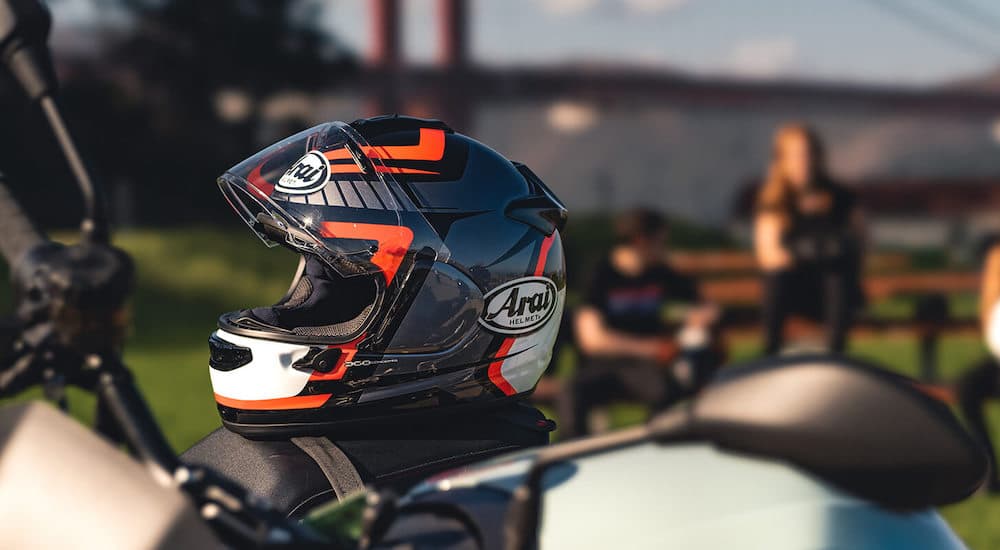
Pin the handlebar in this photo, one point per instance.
(92, 279)
(18, 233)
(89, 281)
(68, 301)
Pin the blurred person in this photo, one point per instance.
(982, 381)
(808, 234)
(627, 350)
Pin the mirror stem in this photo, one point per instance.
(524, 515)
(94, 225)
(672, 425)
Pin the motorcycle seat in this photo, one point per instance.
(394, 456)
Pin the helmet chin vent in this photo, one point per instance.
(227, 356)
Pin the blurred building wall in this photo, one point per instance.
(691, 161)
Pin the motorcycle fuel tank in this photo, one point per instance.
(690, 496)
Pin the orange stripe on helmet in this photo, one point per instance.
(353, 169)
(495, 371)
(282, 403)
(430, 147)
(543, 254)
(393, 241)
(496, 367)
(259, 184)
(347, 352)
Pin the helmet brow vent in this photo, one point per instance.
(373, 127)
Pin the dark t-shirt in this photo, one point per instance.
(824, 239)
(634, 304)
(822, 243)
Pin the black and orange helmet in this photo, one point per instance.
(432, 277)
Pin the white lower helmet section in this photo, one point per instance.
(269, 374)
(530, 354)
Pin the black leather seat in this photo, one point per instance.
(395, 456)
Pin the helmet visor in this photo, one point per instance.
(325, 192)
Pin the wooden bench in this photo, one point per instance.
(730, 278)
(734, 262)
(747, 289)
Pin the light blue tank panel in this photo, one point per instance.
(695, 497)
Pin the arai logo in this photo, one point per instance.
(307, 175)
(519, 306)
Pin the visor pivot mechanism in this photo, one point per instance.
(319, 360)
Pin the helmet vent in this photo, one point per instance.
(372, 128)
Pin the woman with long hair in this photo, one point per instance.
(808, 239)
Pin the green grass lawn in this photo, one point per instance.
(186, 278)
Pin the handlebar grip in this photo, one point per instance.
(18, 233)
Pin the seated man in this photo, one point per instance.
(627, 347)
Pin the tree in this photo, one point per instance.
(148, 113)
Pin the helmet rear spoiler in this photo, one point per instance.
(540, 208)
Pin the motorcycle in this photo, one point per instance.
(793, 453)
(790, 453)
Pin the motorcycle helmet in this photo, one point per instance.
(431, 278)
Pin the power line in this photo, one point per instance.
(930, 25)
(973, 12)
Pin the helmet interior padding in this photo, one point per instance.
(322, 303)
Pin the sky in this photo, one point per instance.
(900, 42)
(892, 42)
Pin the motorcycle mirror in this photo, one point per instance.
(24, 31)
(867, 431)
